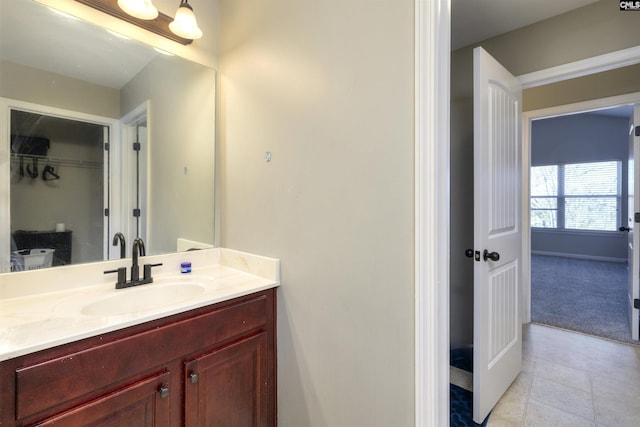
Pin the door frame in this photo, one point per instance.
(127, 182)
(431, 229)
(528, 117)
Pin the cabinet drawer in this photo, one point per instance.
(142, 404)
(64, 381)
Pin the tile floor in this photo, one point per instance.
(571, 379)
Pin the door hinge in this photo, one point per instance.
(106, 146)
(636, 217)
(636, 303)
(637, 130)
(106, 212)
(136, 146)
(136, 213)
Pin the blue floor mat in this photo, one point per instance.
(461, 408)
(462, 358)
(461, 400)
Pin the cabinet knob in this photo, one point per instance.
(164, 391)
(193, 377)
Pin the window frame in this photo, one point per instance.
(561, 198)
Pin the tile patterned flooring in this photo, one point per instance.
(571, 379)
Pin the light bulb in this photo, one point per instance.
(141, 9)
(184, 24)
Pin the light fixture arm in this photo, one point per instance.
(159, 25)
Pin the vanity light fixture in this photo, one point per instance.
(184, 24)
(158, 25)
(141, 9)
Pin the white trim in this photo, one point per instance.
(126, 177)
(584, 67)
(577, 256)
(527, 118)
(432, 75)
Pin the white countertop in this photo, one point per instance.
(33, 316)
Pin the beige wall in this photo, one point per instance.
(601, 85)
(181, 149)
(327, 88)
(41, 87)
(593, 30)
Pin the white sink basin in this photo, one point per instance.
(144, 298)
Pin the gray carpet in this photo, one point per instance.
(580, 295)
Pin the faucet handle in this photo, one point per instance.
(147, 270)
(122, 275)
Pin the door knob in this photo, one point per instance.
(624, 228)
(493, 256)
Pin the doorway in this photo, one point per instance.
(133, 201)
(579, 181)
(56, 187)
(604, 248)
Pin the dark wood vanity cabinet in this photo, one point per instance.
(214, 366)
(144, 404)
(229, 387)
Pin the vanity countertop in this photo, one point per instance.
(36, 314)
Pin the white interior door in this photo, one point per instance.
(634, 234)
(497, 335)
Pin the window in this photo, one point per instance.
(577, 196)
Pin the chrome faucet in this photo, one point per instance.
(119, 237)
(137, 250)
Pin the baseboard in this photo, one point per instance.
(579, 256)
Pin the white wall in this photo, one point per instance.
(327, 88)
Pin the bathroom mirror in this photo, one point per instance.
(56, 70)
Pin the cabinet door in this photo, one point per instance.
(144, 403)
(228, 387)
